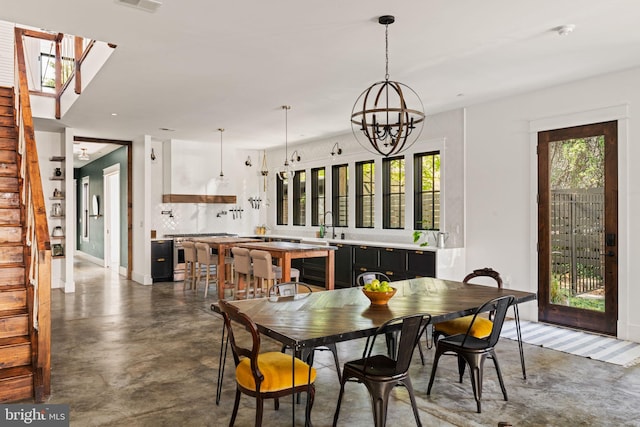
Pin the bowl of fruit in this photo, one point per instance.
(378, 292)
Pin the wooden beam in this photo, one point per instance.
(197, 198)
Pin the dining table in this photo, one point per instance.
(284, 252)
(309, 320)
(222, 245)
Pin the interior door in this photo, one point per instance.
(578, 227)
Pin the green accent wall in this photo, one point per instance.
(94, 170)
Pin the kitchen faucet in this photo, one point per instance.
(333, 224)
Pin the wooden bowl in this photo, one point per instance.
(379, 298)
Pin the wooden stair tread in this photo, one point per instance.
(14, 341)
(10, 288)
(18, 371)
(12, 313)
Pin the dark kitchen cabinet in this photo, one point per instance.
(393, 263)
(162, 260)
(344, 266)
(421, 263)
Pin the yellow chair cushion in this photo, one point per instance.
(276, 368)
(481, 328)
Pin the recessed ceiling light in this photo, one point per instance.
(168, 129)
(114, 114)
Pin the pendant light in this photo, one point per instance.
(381, 119)
(286, 171)
(221, 178)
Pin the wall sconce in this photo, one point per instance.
(248, 161)
(153, 155)
(295, 157)
(336, 150)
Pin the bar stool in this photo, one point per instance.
(190, 263)
(262, 269)
(207, 262)
(242, 267)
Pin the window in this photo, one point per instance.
(426, 197)
(393, 199)
(282, 208)
(85, 208)
(48, 71)
(340, 197)
(317, 196)
(299, 197)
(365, 190)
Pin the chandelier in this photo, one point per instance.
(382, 120)
(286, 171)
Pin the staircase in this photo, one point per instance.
(16, 372)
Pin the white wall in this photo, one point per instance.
(444, 132)
(501, 178)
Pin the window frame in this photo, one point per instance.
(361, 197)
(387, 194)
(418, 192)
(340, 199)
(318, 195)
(299, 191)
(282, 201)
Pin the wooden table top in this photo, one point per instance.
(286, 246)
(309, 320)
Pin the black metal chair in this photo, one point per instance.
(483, 326)
(380, 373)
(293, 289)
(368, 276)
(472, 350)
(268, 375)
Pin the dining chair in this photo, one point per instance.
(190, 263)
(391, 337)
(483, 326)
(268, 375)
(472, 350)
(266, 272)
(243, 269)
(380, 373)
(294, 288)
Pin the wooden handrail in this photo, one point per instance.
(37, 253)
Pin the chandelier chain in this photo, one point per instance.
(386, 52)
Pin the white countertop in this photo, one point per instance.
(395, 245)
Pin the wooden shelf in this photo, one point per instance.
(57, 238)
(56, 178)
(197, 198)
(56, 216)
(56, 198)
(57, 158)
(57, 256)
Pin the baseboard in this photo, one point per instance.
(143, 279)
(92, 259)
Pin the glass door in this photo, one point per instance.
(577, 218)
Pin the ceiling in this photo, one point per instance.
(196, 65)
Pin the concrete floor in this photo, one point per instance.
(124, 354)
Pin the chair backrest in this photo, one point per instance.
(189, 251)
(498, 306)
(262, 264)
(241, 260)
(203, 253)
(288, 289)
(412, 328)
(367, 277)
(484, 272)
(231, 313)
